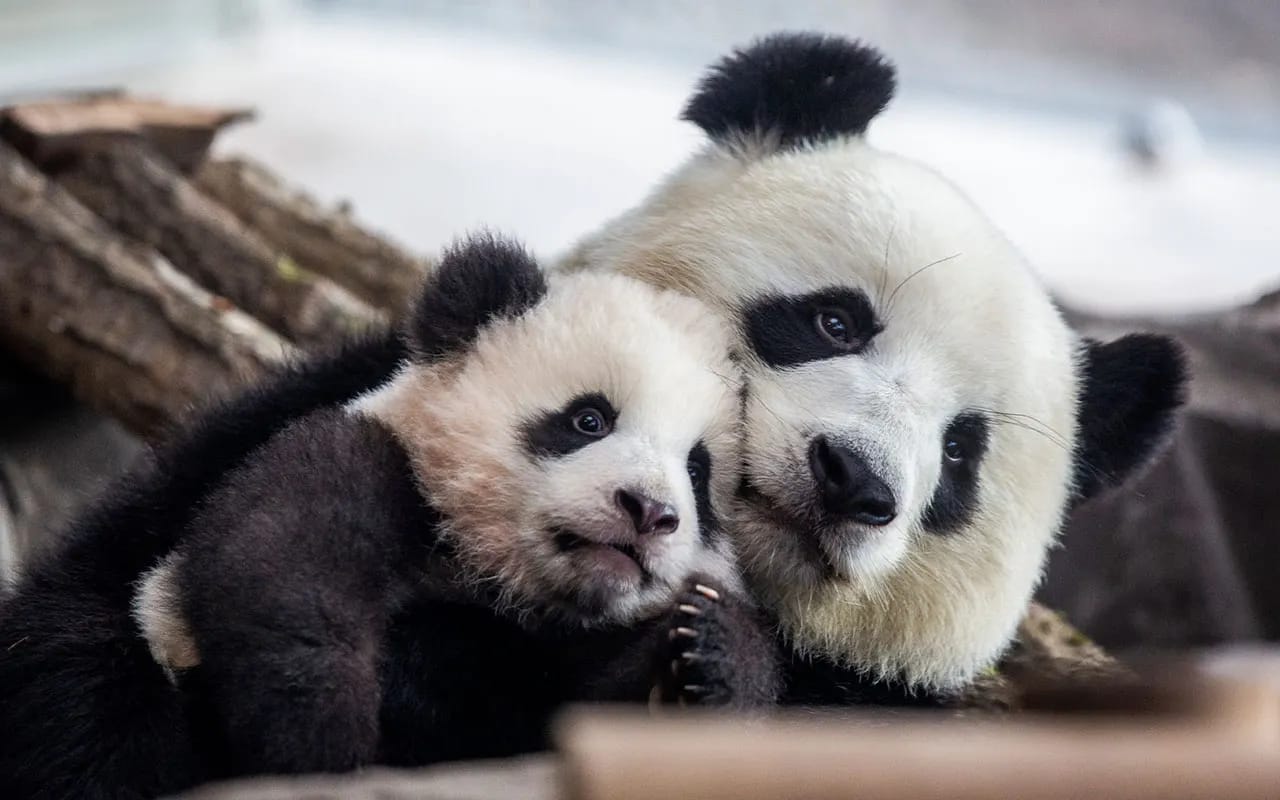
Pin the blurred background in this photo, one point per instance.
(546, 117)
(1131, 148)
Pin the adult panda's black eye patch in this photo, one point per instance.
(786, 330)
(585, 419)
(963, 445)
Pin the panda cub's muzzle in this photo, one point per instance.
(619, 551)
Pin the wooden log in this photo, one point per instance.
(144, 198)
(326, 241)
(131, 335)
(60, 127)
(867, 756)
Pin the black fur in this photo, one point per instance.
(288, 579)
(82, 704)
(720, 652)
(956, 496)
(700, 475)
(1131, 389)
(553, 433)
(797, 87)
(461, 682)
(783, 329)
(817, 681)
(478, 281)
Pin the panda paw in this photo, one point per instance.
(718, 653)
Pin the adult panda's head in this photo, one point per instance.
(577, 433)
(918, 417)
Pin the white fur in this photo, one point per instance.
(968, 327)
(662, 360)
(157, 611)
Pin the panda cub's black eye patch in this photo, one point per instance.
(955, 499)
(585, 419)
(786, 330)
(699, 467)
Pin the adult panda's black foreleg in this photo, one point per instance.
(287, 580)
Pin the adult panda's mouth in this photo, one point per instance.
(806, 534)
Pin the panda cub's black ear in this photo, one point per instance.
(1130, 391)
(793, 88)
(479, 280)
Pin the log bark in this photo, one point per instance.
(144, 198)
(325, 241)
(116, 322)
(57, 128)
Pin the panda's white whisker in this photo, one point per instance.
(884, 265)
(889, 304)
(1044, 426)
(1049, 436)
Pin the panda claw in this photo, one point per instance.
(692, 611)
(694, 688)
(707, 592)
(688, 633)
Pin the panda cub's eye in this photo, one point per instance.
(591, 422)
(696, 473)
(953, 450)
(698, 465)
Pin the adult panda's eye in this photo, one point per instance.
(591, 422)
(835, 325)
(953, 450)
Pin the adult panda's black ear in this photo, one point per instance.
(478, 280)
(1130, 392)
(791, 88)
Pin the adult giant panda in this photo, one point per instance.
(513, 521)
(918, 417)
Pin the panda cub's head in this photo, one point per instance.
(918, 417)
(576, 433)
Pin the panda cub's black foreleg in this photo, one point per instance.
(287, 579)
(719, 651)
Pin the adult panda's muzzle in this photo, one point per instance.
(848, 488)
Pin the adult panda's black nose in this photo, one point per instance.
(847, 486)
(648, 515)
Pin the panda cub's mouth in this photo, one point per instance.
(619, 560)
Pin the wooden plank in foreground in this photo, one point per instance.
(628, 757)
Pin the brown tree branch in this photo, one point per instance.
(325, 241)
(143, 197)
(115, 321)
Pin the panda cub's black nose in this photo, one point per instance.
(847, 486)
(648, 515)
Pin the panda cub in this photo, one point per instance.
(513, 521)
(918, 418)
